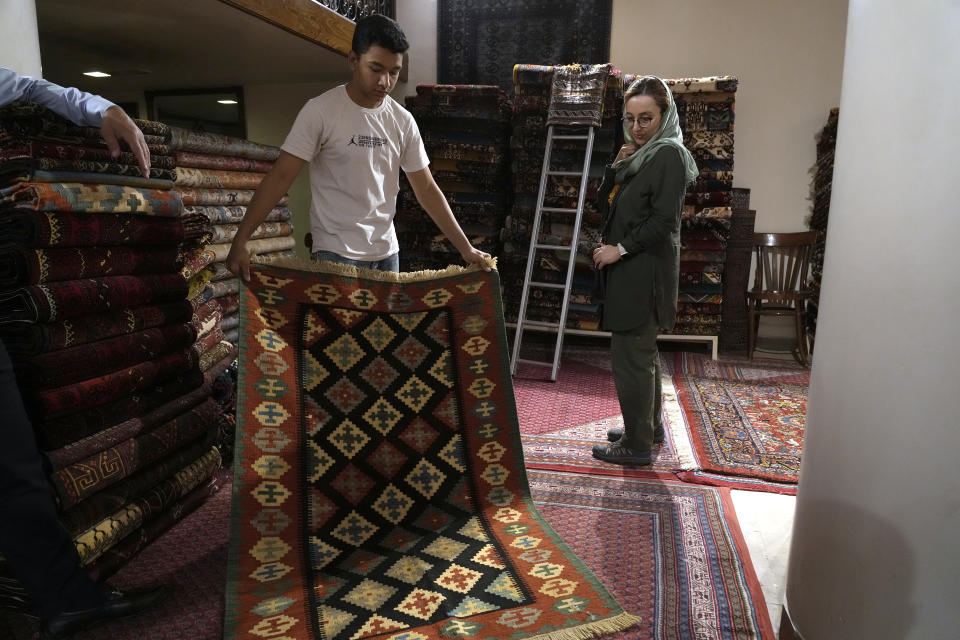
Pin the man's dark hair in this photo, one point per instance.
(380, 30)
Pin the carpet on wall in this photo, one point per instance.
(379, 486)
(746, 420)
(481, 40)
(671, 551)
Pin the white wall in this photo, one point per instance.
(270, 111)
(418, 19)
(19, 43)
(788, 56)
(875, 542)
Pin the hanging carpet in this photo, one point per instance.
(480, 40)
(379, 486)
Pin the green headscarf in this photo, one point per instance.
(668, 135)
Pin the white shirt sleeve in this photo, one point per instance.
(303, 140)
(77, 106)
(414, 155)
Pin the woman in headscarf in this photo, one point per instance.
(641, 196)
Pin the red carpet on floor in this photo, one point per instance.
(627, 530)
(746, 419)
(670, 552)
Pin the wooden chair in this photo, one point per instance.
(780, 286)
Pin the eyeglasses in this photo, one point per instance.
(644, 121)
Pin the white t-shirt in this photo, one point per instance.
(355, 157)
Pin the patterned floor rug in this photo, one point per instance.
(672, 552)
(746, 420)
(379, 489)
(560, 421)
(558, 432)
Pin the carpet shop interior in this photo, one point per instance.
(441, 483)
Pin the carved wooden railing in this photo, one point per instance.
(329, 23)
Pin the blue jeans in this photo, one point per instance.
(390, 263)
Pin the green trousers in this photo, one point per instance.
(636, 373)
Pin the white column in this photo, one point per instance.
(19, 41)
(876, 539)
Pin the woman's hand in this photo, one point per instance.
(626, 151)
(605, 254)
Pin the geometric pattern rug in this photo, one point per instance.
(746, 421)
(379, 486)
(671, 551)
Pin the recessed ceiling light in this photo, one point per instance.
(96, 74)
(227, 101)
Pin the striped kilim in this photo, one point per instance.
(379, 486)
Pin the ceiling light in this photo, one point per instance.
(96, 74)
(227, 101)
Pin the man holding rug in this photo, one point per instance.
(356, 138)
(32, 539)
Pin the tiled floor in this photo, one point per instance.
(766, 520)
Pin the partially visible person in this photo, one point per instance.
(642, 197)
(34, 542)
(356, 139)
(79, 107)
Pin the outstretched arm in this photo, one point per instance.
(274, 185)
(431, 199)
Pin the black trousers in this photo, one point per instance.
(37, 547)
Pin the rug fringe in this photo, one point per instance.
(679, 436)
(351, 271)
(590, 630)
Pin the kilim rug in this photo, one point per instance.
(672, 552)
(746, 419)
(379, 487)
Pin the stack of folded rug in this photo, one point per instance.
(116, 353)
(465, 129)
(533, 86)
(216, 176)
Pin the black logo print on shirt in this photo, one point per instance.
(371, 142)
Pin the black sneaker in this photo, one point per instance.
(118, 604)
(659, 435)
(619, 454)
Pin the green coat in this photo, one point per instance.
(645, 218)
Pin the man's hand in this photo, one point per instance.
(475, 256)
(117, 126)
(238, 260)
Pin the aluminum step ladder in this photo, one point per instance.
(536, 245)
